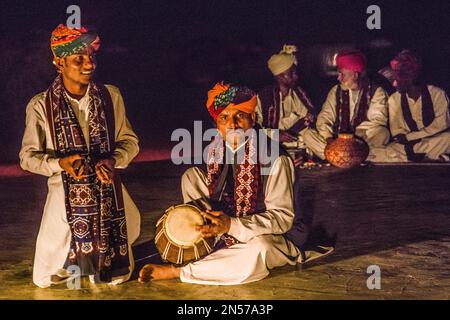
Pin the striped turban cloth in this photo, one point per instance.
(222, 96)
(68, 41)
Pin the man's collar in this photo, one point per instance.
(71, 99)
(230, 148)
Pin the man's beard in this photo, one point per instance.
(235, 137)
(345, 86)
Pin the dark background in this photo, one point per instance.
(165, 55)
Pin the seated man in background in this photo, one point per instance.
(257, 206)
(286, 106)
(418, 116)
(355, 106)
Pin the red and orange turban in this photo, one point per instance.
(68, 41)
(353, 61)
(222, 96)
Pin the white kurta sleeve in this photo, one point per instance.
(441, 119)
(397, 124)
(327, 116)
(259, 119)
(34, 156)
(127, 142)
(279, 214)
(258, 112)
(298, 112)
(377, 113)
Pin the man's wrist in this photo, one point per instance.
(55, 164)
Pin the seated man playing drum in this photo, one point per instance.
(249, 208)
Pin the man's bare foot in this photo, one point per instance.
(158, 272)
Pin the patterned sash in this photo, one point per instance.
(95, 211)
(244, 198)
(270, 104)
(343, 123)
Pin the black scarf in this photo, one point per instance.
(427, 118)
(343, 123)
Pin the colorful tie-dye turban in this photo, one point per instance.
(222, 96)
(68, 41)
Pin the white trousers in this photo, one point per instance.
(240, 263)
(375, 137)
(433, 147)
(53, 241)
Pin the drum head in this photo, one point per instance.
(180, 225)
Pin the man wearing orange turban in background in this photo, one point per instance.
(256, 208)
(419, 116)
(355, 105)
(77, 134)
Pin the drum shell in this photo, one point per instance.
(178, 254)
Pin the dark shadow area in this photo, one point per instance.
(374, 209)
(145, 252)
(303, 234)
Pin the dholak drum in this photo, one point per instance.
(176, 238)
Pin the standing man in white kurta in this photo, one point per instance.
(286, 107)
(256, 207)
(419, 116)
(355, 106)
(77, 134)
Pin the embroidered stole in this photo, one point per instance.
(95, 211)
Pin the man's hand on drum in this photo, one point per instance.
(220, 223)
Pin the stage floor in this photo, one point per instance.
(395, 217)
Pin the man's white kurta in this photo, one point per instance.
(435, 141)
(37, 155)
(262, 246)
(291, 111)
(374, 130)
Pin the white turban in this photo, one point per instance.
(278, 63)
